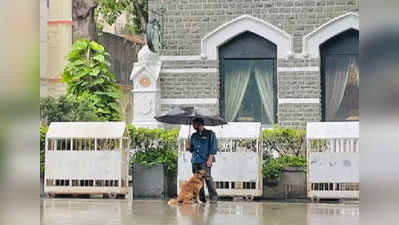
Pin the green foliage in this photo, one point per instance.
(108, 11)
(89, 79)
(43, 132)
(272, 168)
(155, 146)
(286, 141)
(68, 109)
(318, 145)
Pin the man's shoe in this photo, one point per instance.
(213, 201)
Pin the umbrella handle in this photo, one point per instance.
(189, 132)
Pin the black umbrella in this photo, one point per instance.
(185, 115)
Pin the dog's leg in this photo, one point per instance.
(172, 202)
(187, 201)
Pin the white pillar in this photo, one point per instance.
(146, 90)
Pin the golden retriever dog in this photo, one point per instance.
(190, 189)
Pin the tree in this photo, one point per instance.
(88, 76)
(84, 19)
(108, 11)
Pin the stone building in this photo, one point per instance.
(273, 61)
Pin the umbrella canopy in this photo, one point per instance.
(185, 115)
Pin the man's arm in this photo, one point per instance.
(213, 145)
(190, 146)
(210, 158)
(213, 149)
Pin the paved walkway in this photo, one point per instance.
(105, 211)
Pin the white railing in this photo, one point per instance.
(333, 155)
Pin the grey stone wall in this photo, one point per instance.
(190, 64)
(302, 84)
(296, 62)
(189, 85)
(296, 115)
(187, 21)
(298, 84)
(209, 107)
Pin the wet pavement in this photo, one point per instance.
(105, 211)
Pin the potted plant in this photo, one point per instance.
(154, 162)
(289, 167)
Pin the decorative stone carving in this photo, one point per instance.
(144, 104)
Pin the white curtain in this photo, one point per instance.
(264, 80)
(357, 71)
(336, 78)
(236, 82)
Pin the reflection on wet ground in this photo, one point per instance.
(101, 211)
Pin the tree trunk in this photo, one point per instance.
(143, 18)
(83, 18)
(136, 39)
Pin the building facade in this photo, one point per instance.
(56, 42)
(44, 10)
(280, 61)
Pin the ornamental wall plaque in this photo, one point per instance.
(145, 81)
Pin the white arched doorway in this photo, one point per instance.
(211, 42)
(313, 40)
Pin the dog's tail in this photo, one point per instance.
(172, 202)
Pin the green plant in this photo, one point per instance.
(155, 146)
(272, 168)
(285, 141)
(66, 109)
(88, 77)
(43, 132)
(318, 145)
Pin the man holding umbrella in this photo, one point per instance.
(203, 146)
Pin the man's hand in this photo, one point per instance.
(187, 146)
(209, 163)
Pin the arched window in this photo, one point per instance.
(340, 77)
(248, 79)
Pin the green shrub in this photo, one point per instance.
(272, 168)
(43, 132)
(88, 75)
(67, 109)
(155, 146)
(318, 145)
(286, 141)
